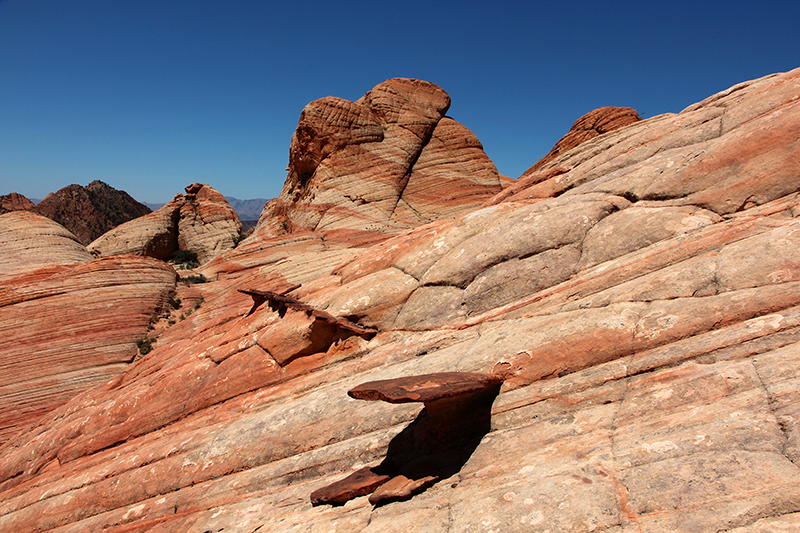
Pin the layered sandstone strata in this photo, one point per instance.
(388, 162)
(200, 221)
(638, 299)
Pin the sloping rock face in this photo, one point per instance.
(638, 299)
(597, 122)
(15, 202)
(388, 162)
(200, 221)
(29, 241)
(67, 322)
(90, 211)
(207, 224)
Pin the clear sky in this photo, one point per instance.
(151, 95)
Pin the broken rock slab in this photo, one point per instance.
(424, 388)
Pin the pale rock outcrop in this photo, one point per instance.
(207, 224)
(388, 162)
(200, 221)
(646, 331)
(29, 241)
(152, 235)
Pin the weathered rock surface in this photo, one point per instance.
(388, 162)
(29, 241)
(207, 224)
(640, 294)
(15, 202)
(90, 211)
(67, 327)
(200, 221)
(597, 122)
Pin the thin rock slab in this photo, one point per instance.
(424, 388)
(400, 487)
(359, 483)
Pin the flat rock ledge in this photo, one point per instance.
(424, 388)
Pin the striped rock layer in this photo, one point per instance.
(638, 296)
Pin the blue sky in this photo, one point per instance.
(150, 96)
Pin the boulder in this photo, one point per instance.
(638, 297)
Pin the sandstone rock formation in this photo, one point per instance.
(90, 211)
(15, 202)
(200, 221)
(597, 122)
(29, 241)
(388, 162)
(67, 322)
(637, 296)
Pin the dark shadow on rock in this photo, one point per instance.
(444, 434)
(435, 446)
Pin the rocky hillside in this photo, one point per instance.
(610, 343)
(15, 202)
(90, 211)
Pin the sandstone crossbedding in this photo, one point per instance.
(29, 241)
(68, 322)
(637, 295)
(200, 221)
(388, 162)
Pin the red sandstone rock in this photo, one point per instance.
(67, 328)
(361, 482)
(15, 202)
(400, 488)
(642, 302)
(200, 221)
(424, 388)
(387, 162)
(597, 122)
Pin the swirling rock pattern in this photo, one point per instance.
(200, 221)
(639, 293)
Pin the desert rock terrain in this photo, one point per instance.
(200, 221)
(609, 343)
